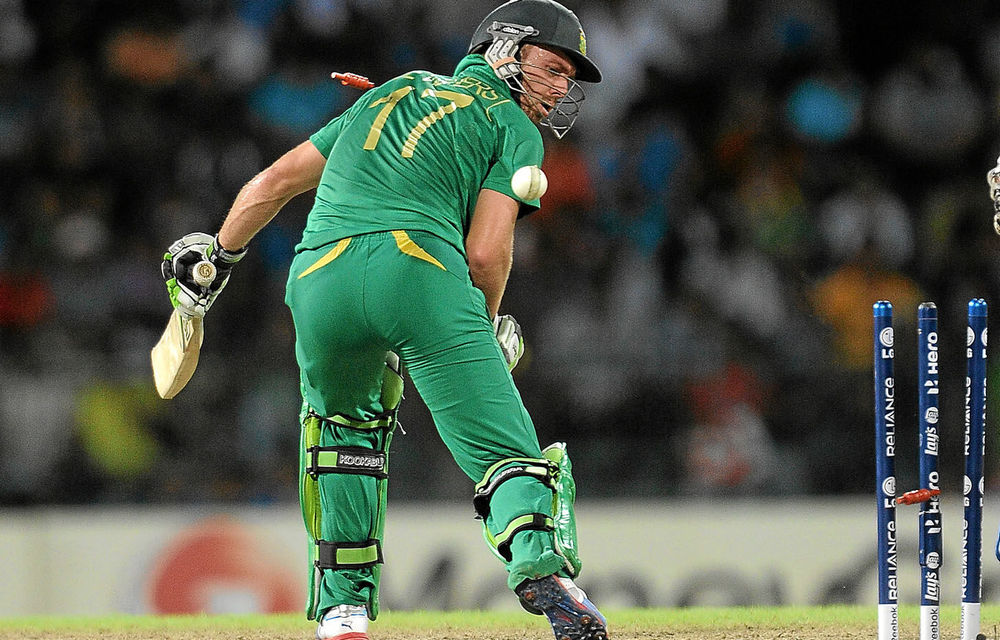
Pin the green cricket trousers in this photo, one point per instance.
(409, 292)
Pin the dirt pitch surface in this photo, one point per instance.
(758, 623)
(307, 634)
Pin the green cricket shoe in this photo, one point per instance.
(570, 612)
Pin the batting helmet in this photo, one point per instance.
(553, 25)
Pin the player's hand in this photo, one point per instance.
(993, 179)
(190, 291)
(508, 333)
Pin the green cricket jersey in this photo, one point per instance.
(413, 154)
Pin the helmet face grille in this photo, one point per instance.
(564, 112)
(562, 115)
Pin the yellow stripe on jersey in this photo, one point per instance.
(410, 248)
(329, 257)
(495, 104)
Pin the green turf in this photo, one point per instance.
(639, 619)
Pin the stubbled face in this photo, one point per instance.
(545, 74)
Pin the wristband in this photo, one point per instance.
(216, 252)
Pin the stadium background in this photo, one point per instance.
(695, 291)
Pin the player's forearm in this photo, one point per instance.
(255, 206)
(490, 276)
(489, 245)
(263, 197)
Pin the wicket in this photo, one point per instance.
(930, 555)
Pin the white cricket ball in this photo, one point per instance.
(529, 183)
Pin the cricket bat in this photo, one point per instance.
(175, 356)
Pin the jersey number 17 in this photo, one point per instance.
(455, 101)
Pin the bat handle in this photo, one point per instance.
(204, 273)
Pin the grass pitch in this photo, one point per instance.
(755, 623)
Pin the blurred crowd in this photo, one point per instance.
(695, 292)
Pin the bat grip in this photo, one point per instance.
(204, 273)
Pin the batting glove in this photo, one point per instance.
(993, 179)
(508, 333)
(189, 296)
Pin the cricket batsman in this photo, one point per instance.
(403, 263)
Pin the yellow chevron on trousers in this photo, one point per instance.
(410, 248)
(327, 258)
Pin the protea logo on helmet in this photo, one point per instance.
(583, 43)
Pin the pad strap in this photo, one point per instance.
(348, 555)
(540, 468)
(385, 421)
(535, 521)
(354, 460)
